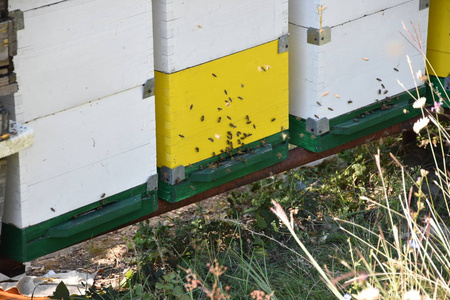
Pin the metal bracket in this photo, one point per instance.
(149, 88)
(318, 127)
(318, 36)
(283, 43)
(152, 183)
(447, 83)
(172, 176)
(17, 16)
(424, 4)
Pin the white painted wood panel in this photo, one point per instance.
(25, 5)
(106, 146)
(189, 33)
(305, 13)
(338, 67)
(77, 51)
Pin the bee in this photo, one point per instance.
(219, 119)
(214, 154)
(225, 91)
(192, 187)
(232, 125)
(247, 118)
(280, 156)
(192, 105)
(250, 134)
(325, 94)
(245, 160)
(385, 92)
(229, 98)
(349, 101)
(273, 119)
(239, 142)
(262, 68)
(248, 122)
(177, 181)
(197, 149)
(263, 142)
(229, 135)
(242, 85)
(181, 136)
(379, 92)
(318, 103)
(317, 117)
(214, 75)
(227, 103)
(219, 109)
(201, 167)
(355, 120)
(103, 195)
(238, 133)
(378, 79)
(382, 85)
(365, 58)
(395, 69)
(229, 118)
(228, 170)
(202, 118)
(52, 209)
(329, 108)
(211, 139)
(313, 137)
(240, 98)
(254, 126)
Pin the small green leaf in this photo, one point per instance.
(61, 292)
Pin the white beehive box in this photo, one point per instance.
(359, 54)
(81, 68)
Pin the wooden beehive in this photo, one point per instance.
(221, 90)
(81, 68)
(438, 52)
(345, 60)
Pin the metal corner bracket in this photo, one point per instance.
(149, 88)
(17, 16)
(424, 4)
(317, 127)
(318, 36)
(152, 183)
(172, 176)
(283, 43)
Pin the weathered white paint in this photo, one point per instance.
(77, 51)
(105, 146)
(339, 67)
(189, 33)
(21, 138)
(305, 13)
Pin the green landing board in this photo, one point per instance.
(86, 222)
(356, 124)
(257, 156)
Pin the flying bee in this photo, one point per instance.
(225, 91)
(214, 75)
(202, 118)
(211, 139)
(219, 119)
(273, 119)
(181, 136)
(197, 149)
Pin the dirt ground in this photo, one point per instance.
(106, 256)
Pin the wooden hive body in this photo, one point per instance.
(221, 83)
(81, 68)
(358, 64)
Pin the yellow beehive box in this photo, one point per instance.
(221, 84)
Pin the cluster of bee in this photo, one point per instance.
(237, 133)
(382, 90)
